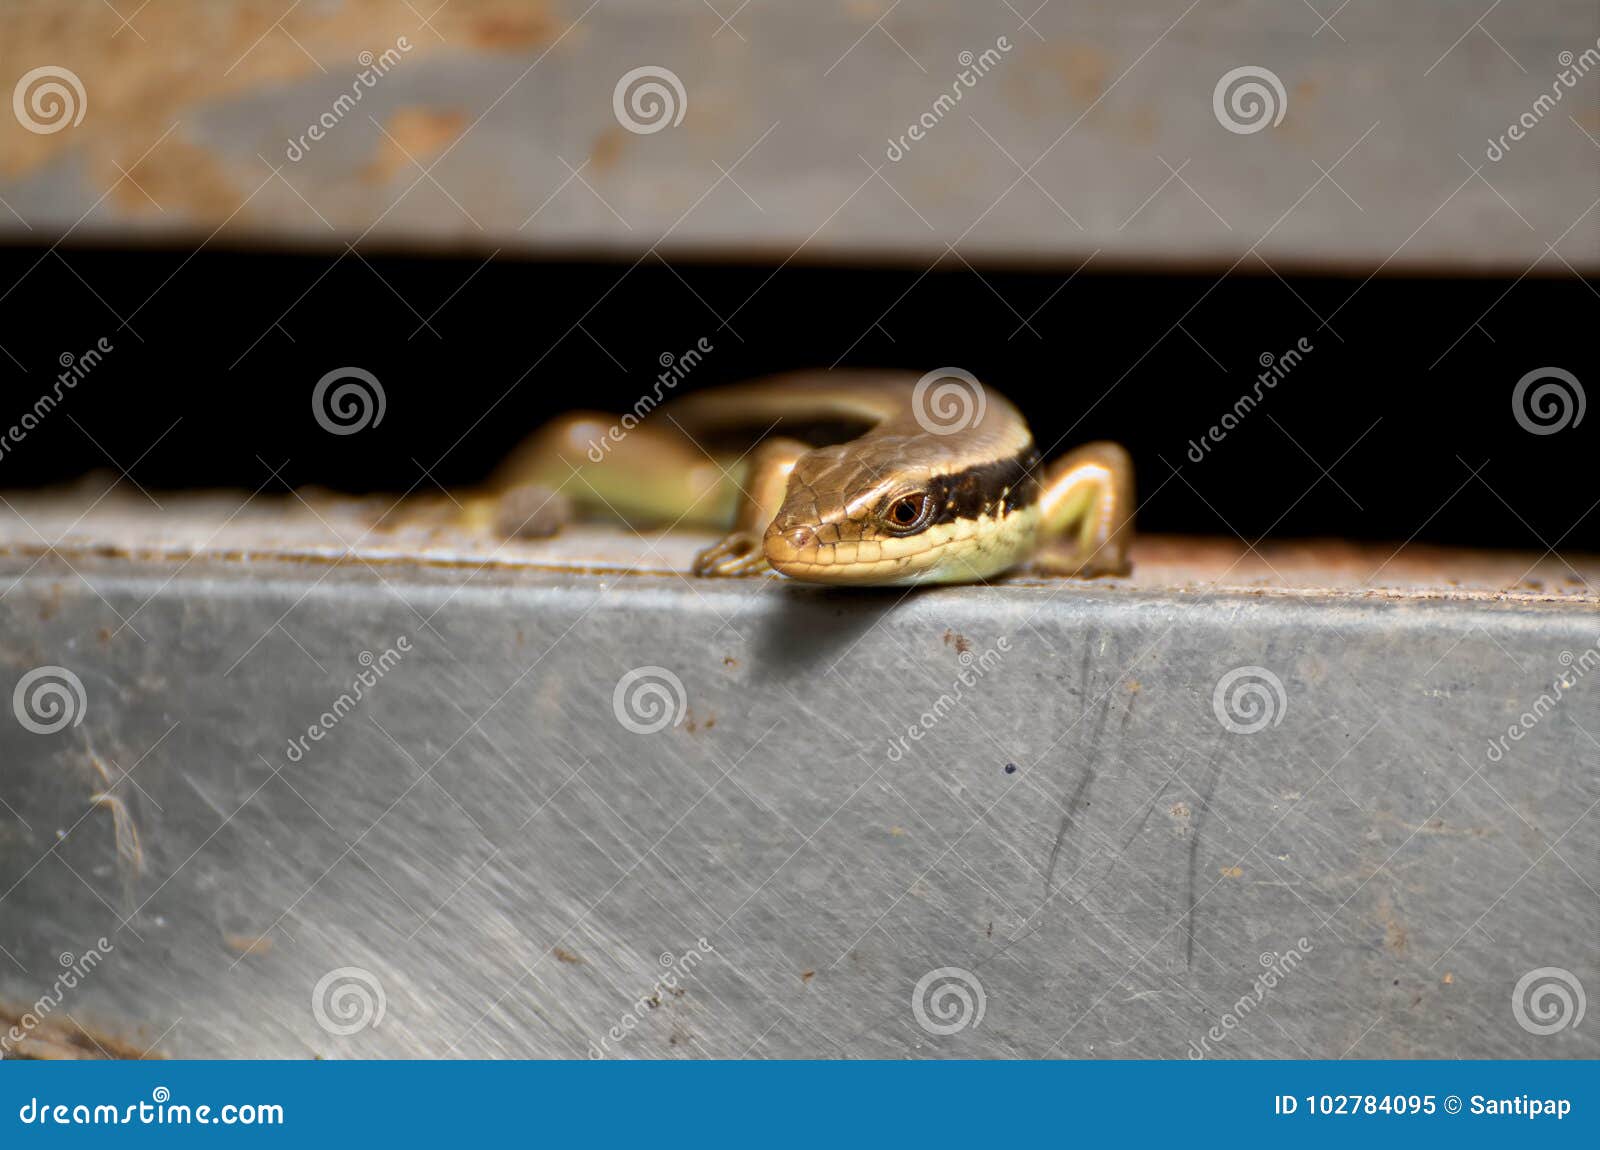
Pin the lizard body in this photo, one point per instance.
(930, 480)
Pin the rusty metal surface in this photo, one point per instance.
(1093, 132)
(492, 852)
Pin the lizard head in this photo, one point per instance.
(888, 517)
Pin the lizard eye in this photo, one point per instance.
(908, 513)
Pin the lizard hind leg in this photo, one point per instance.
(766, 482)
(1086, 512)
(646, 476)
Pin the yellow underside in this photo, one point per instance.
(966, 551)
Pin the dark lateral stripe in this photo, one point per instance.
(978, 490)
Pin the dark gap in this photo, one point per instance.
(1402, 395)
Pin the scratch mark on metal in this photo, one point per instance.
(1194, 854)
(1084, 782)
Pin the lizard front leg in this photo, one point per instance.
(761, 497)
(1086, 510)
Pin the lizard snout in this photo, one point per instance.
(789, 544)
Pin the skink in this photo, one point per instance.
(932, 479)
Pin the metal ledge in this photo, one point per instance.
(793, 138)
(1074, 828)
